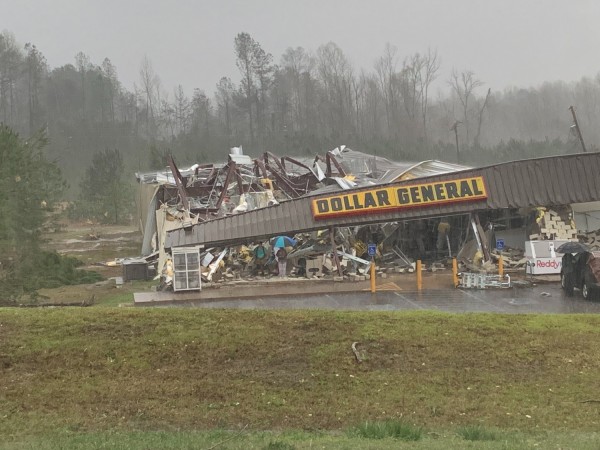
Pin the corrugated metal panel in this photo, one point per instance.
(535, 182)
(254, 228)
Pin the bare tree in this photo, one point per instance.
(358, 88)
(297, 67)
(201, 113)
(385, 67)
(168, 117)
(182, 109)
(149, 86)
(245, 51)
(410, 82)
(110, 73)
(224, 98)
(463, 85)
(82, 62)
(429, 68)
(335, 72)
(372, 101)
(480, 118)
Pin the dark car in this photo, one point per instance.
(581, 271)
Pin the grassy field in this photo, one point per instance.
(187, 378)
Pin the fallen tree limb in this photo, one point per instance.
(356, 354)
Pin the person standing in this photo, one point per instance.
(281, 256)
(442, 237)
(260, 258)
(420, 230)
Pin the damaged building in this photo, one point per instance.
(333, 206)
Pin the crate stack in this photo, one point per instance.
(553, 227)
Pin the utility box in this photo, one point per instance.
(542, 257)
(135, 270)
(186, 269)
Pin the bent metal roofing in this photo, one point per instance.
(556, 180)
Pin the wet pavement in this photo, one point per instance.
(545, 298)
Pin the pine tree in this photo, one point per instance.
(104, 193)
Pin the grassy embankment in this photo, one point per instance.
(176, 378)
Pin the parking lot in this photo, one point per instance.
(544, 298)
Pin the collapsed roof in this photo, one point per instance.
(556, 180)
(241, 184)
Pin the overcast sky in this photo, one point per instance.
(505, 42)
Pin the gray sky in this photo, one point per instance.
(505, 42)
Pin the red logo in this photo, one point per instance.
(553, 264)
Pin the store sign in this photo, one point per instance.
(536, 266)
(388, 199)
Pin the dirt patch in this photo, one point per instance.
(94, 245)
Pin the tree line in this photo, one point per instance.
(301, 103)
(31, 186)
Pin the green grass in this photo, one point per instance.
(279, 445)
(234, 440)
(124, 294)
(143, 375)
(477, 433)
(388, 429)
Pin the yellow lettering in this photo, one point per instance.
(386, 199)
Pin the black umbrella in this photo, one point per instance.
(573, 247)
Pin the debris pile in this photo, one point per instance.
(179, 199)
(592, 239)
(336, 254)
(553, 225)
(512, 258)
(243, 184)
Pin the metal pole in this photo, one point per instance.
(373, 274)
(455, 272)
(455, 129)
(457, 152)
(572, 109)
(500, 267)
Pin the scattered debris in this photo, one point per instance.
(483, 281)
(181, 198)
(554, 226)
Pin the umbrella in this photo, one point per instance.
(283, 241)
(573, 247)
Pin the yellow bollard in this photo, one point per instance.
(455, 272)
(373, 287)
(500, 266)
(419, 275)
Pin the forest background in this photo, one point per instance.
(300, 103)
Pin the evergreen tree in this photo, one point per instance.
(30, 185)
(104, 193)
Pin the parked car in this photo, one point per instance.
(581, 271)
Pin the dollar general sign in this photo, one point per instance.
(386, 199)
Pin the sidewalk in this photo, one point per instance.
(294, 286)
(280, 287)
